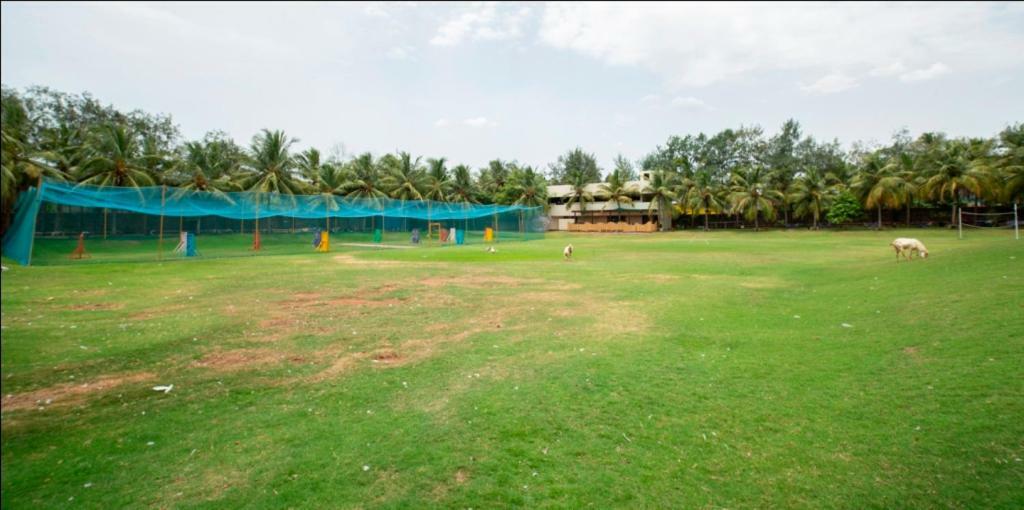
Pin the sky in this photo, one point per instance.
(530, 81)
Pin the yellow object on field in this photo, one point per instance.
(325, 243)
(488, 234)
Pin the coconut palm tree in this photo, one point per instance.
(871, 186)
(437, 182)
(406, 181)
(616, 191)
(115, 159)
(462, 188)
(812, 193)
(752, 195)
(268, 168)
(269, 164)
(961, 167)
(22, 165)
(528, 189)
(362, 181)
(662, 188)
(64, 147)
(903, 179)
(705, 194)
(309, 165)
(437, 185)
(205, 171)
(579, 195)
(1011, 162)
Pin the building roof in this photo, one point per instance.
(565, 190)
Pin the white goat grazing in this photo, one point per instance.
(906, 246)
(567, 252)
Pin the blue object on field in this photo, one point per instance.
(317, 237)
(415, 236)
(190, 245)
(460, 236)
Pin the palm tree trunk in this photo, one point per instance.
(879, 227)
(757, 226)
(705, 219)
(909, 200)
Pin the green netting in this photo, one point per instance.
(144, 224)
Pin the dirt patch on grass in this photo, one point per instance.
(358, 302)
(339, 366)
(661, 278)
(155, 312)
(70, 393)
(239, 359)
(386, 355)
(96, 306)
(475, 281)
(351, 260)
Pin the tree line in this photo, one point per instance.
(739, 173)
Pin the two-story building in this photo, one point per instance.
(602, 215)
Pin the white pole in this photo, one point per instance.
(1016, 224)
(960, 222)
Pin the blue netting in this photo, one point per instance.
(147, 215)
(17, 243)
(250, 205)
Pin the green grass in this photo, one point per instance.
(662, 371)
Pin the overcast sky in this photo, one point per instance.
(477, 81)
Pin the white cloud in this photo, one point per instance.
(479, 122)
(698, 44)
(933, 71)
(486, 21)
(690, 103)
(830, 84)
(442, 123)
(650, 99)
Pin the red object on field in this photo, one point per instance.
(79, 252)
(444, 235)
(256, 245)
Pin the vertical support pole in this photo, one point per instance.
(104, 223)
(35, 221)
(1016, 223)
(960, 222)
(160, 243)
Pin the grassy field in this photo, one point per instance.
(684, 370)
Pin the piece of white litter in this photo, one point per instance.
(87, 485)
(796, 316)
(150, 443)
(366, 468)
(166, 389)
(845, 325)
(405, 384)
